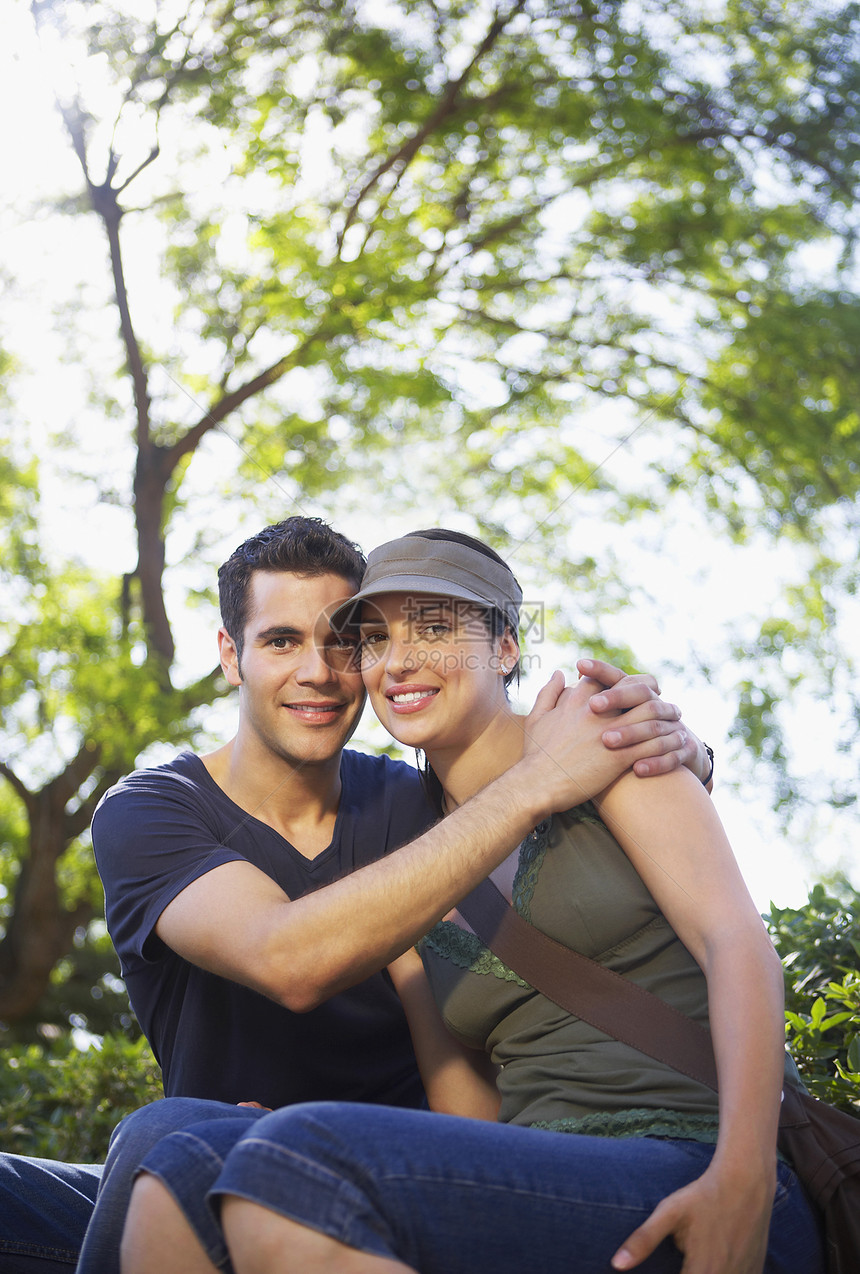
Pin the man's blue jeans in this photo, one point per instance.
(451, 1196)
(132, 1140)
(51, 1214)
(44, 1210)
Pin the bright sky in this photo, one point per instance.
(698, 589)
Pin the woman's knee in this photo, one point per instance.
(158, 1238)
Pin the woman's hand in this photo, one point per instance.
(656, 722)
(720, 1225)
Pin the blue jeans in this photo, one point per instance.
(44, 1210)
(56, 1217)
(449, 1196)
(132, 1140)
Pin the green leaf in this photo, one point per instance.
(853, 1054)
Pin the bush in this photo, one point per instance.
(819, 945)
(61, 1102)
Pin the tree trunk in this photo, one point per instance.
(41, 929)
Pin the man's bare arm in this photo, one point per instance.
(237, 922)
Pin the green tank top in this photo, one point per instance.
(575, 883)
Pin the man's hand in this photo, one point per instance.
(669, 745)
(566, 758)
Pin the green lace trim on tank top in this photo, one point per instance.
(639, 1123)
(466, 951)
(532, 852)
(531, 856)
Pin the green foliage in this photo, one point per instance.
(580, 202)
(762, 429)
(70, 667)
(20, 565)
(60, 1102)
(819, 945)
(474, 227)
(772, 669)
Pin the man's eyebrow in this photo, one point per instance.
(278, 630)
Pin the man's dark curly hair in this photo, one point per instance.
(305, 546)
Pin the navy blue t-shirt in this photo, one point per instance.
(160, 829)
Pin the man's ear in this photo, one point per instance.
(229, 658)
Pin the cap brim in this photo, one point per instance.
(348, 614)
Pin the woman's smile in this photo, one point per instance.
(410, 698)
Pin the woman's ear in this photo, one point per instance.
(508, 652)
(229, 658)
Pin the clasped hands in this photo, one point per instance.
(582, 737)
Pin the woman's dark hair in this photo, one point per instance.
(497, 625)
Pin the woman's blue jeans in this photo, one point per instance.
(451, 1196)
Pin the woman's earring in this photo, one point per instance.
(505, 670)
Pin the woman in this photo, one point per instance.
(566, 1150)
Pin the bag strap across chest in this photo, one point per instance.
(607, 1001)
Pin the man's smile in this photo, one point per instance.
(316, 710)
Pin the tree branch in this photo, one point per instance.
(17, 785)
(403, 156)
(229, 402)
(151, 157)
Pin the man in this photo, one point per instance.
(251, 893)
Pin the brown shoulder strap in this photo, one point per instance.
(604, 999)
